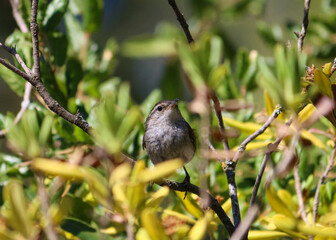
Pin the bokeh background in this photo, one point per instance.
(125, 19)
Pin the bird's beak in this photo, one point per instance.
(174, 103)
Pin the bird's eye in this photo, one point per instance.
(159, 108)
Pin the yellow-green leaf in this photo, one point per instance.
(160, 170)
(323, 82)
(286, 198)
(152, 224)
(17, 214)
(269, 103)
(58, 168)
(255, 145)
(190, 204)
(276, 204)
(327, 68)
(167, 212)
(313, 139)
(265, 235)
(157, 197)
(247, 127)
(306, 112)
(199, 230)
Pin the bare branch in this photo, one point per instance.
(270, 149)
(15, 69)
(243, 145)
(25, 102)
(43, 196)
(305, 22)
(244, 227)
(212, 202)
(35, 40)
(218, 111)
(181, 20)
(299, 193)
(18, 58)
(330, 165)
(18, 17)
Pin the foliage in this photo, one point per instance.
(96, 192)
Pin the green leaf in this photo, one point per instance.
(148, 46)
(14, 81)
(93, 14)
(58, 47)
(17, 214)
(74, 75)
(51, 84)
(74, 31)
(76, 226)
(54, 14)
(323, 82)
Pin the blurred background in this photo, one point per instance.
(125, 19)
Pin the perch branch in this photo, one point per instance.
(330, 165)
(212, 202)
(304, 28)
(181, 20)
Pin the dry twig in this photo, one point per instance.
(305, 22)
(330, 165)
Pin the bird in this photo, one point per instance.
(168, 135)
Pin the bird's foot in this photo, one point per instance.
(186, 182)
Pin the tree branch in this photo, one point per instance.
(212, 202)
(34, 76)
(15, 69)
(299, 193)
(181, 20)
(43, 196)
(270, 149)
(330, 165)
(244, 227)
(34, 31)
(243, 145)
(305, 22)
(17, 16)
(18, 58)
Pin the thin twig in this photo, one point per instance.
(299, 193)
(15, 70)
(49, 229)
(270, 149)
(35, 78)
(17, 56)
(17, 16)
(243, 145)
(181, 20)
(330, 165)
(218, 111)
(34, 31)
(212, 202)
(244, 227)
(25, 102)
(231, 164)
(305, 22)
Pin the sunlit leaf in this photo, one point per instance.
(161, 170)
(152, 224)
(17, 214)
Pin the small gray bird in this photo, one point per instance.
(168, 135)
